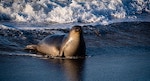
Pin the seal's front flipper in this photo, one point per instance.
(61, 53)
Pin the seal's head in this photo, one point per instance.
(76, 31)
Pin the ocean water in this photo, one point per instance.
(116, 32)
(67, 11)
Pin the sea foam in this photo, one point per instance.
(66, 11)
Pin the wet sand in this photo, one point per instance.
(120, 53)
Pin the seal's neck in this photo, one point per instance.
(74, 36)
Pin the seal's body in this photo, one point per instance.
(60, 45)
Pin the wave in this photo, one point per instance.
(66, 11)
(29, 55)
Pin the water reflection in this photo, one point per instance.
(73, 69)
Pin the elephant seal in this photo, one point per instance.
(71, 45)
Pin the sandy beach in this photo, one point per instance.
(116, 52)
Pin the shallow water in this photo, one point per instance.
(105, 67)
(116, 52)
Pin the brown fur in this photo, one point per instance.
(60, 45)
